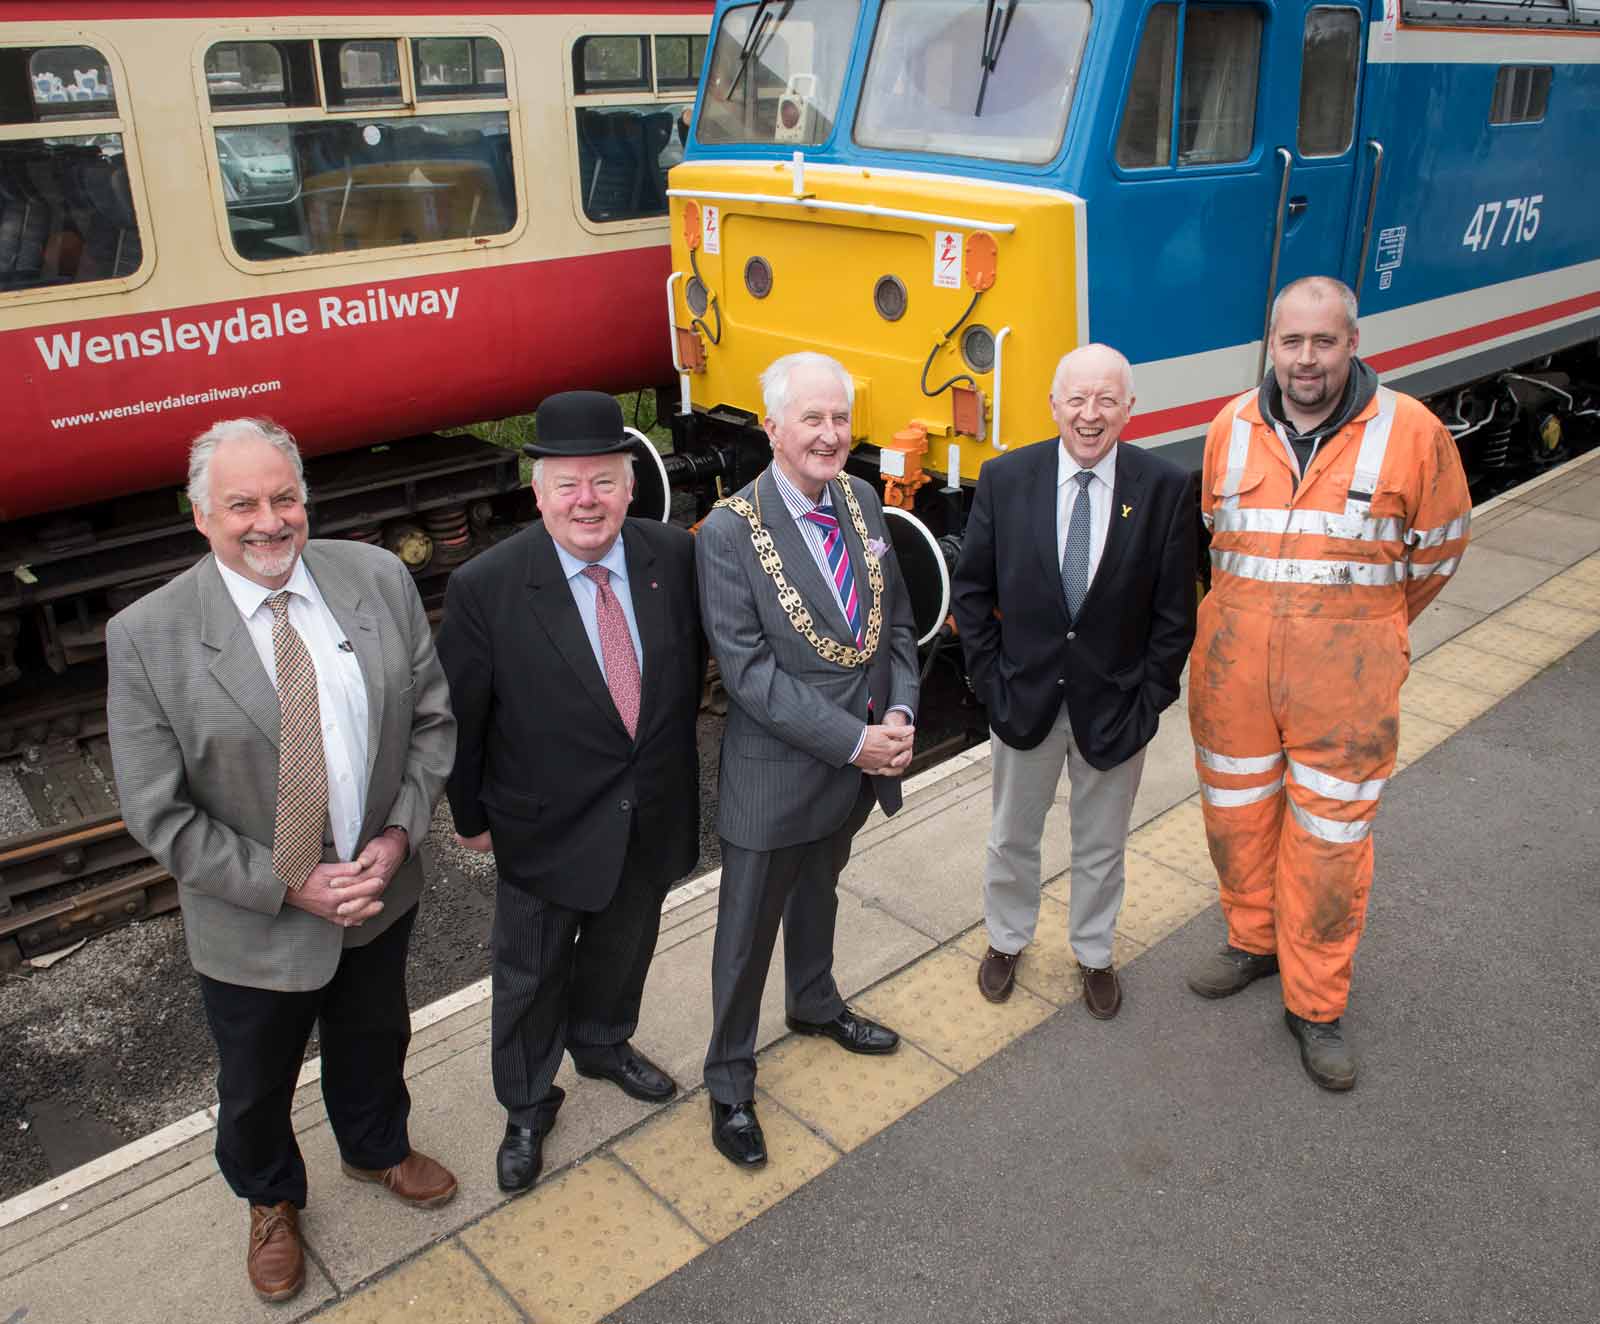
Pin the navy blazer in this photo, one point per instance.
(1118, 664)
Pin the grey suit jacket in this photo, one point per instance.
(794, 719)
(194, 739)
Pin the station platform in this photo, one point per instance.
(1023, 1162)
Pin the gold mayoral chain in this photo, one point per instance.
(829, 650)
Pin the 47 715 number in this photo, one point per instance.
(1521, 217)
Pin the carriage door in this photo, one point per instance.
(1324, 165)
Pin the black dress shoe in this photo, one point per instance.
(516, 1166)
(850, 1031)
(737, 1134)
(634, 1074)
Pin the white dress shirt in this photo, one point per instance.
(341, 689)
(586, 595)
(1105, 479)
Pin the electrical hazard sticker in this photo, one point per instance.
(947, 259)
(711, 228)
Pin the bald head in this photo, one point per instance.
(1091, 398)
(1310, 291)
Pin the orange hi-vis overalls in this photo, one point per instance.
(1294, 681)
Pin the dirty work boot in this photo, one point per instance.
(1225, 973)
(1323, 1051)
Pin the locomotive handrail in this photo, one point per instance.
(859, 208)
(1277, 249)
(684, 404)
(999, 349)
(1372, 207)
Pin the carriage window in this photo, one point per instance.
(358, 74)
(461, 67)
(611, 64)
(1145, 138)
(777, 71)
(929, 88)
(1520, 94)
(246, 75)
(1217, 91)
(66, 209)
(1328, 66)
(679, 60)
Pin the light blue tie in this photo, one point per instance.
(1075, 560)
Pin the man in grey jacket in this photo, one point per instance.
(281, 730)
(804, 607)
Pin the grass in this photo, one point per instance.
(638, 410)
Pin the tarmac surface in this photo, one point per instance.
(1024, 1162)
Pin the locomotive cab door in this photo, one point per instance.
(1321, 159)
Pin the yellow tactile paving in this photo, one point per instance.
(1576, 592)
(1547, 618)
(674, 1156)
(576, 1249)
(1587, 570)
(1463, 664)
(1495, 636)
(847, 1097)
(1048, 966)
(1442, 701)
(1177, 839)
(936, 1004)
(440, 1286)
(1158, 899)
(1417, 736)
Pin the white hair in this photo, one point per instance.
(1321, 287)
(538, 465)
(1061, 368)
(780, 372)
(204, 448)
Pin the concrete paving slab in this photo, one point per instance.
(183, 1262)
(443, 1286)
(1575, 592)
(675, 1158)
(1169, 777)
(1496, 578)
(1442, 621)
(1545, 535)
(849, 1097)
(1577, 498)
(575, 1250)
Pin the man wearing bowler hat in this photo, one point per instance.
(574, 656)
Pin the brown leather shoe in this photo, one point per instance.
(1102, 993)
(416, 1180)
(275, 1262)
(997, 972)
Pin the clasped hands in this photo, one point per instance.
(349, 892)
(886, 752)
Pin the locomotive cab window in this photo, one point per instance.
(777, 71)
(1521, 93)
(1329, 64)
(949, 76)
(67, 215)
(1210, 100)
(633, 96)
(368, 168)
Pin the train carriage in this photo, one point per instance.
(949, 194)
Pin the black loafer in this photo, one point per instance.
(516, 1166)
(634, 1074)
(850, 1031)
(737, 1134)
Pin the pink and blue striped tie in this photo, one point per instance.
(839, 565)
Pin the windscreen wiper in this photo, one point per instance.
(995, 29)
(762, 22)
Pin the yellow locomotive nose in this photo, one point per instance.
(950, 323)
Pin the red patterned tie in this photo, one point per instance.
(616, 648)
(302, 773)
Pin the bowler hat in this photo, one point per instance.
(578, 423)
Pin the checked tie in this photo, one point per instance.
(302, 770)
(616, 648)
(1075, 560)
(839, 566)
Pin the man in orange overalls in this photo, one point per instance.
(1338, 510)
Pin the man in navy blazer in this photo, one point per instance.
(1075, 597)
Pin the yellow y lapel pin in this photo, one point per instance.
(1126, 511)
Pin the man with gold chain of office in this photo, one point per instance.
(821, 678)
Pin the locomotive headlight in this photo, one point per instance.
(695, 293)
(889, 298)
(977, 348)
(758, 277)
